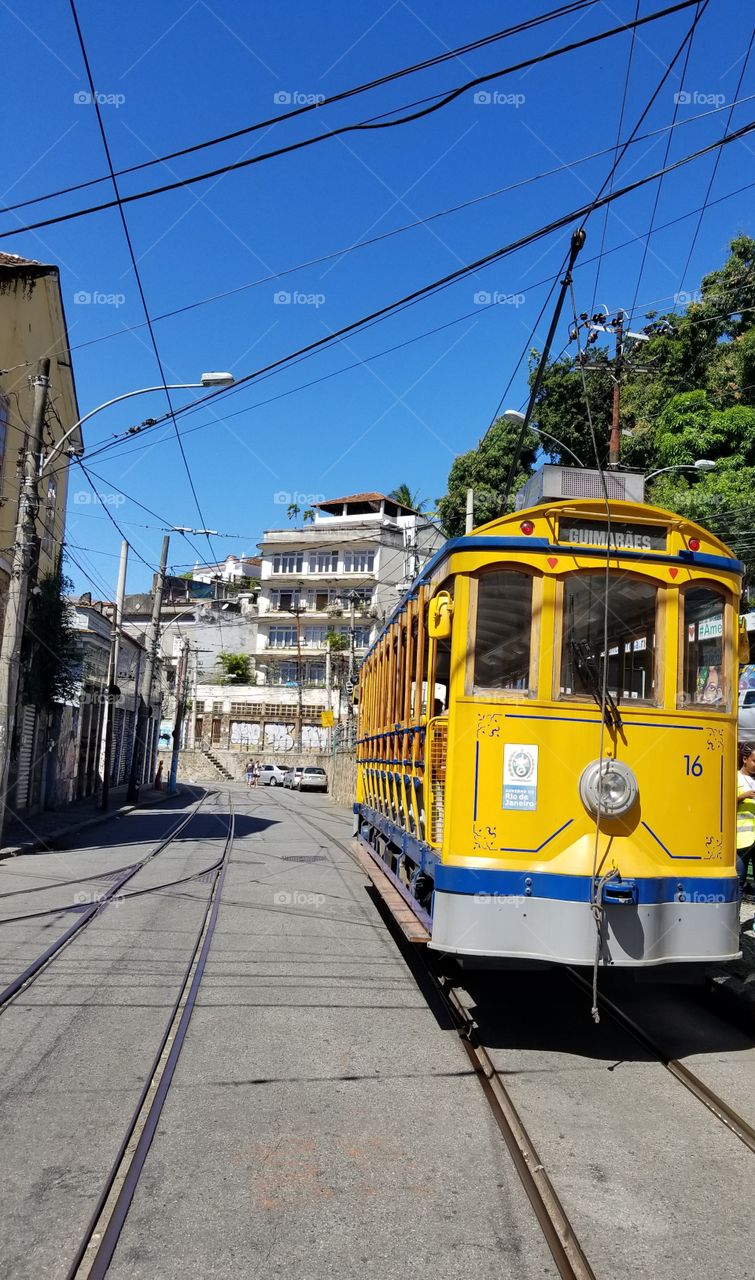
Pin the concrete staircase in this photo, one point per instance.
(219, 768)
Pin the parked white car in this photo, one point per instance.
(312, 779)
(271, 775)
(291, 777)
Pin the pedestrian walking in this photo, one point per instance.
(745, 811)
(255, 772)
(159, 777)
(249, 773)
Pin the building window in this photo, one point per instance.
(284, 601)
(358, 561)
(281, 637)
(323, 562)
(283, 673)
(316, 673)
(361, 637)
(314, 637)
(290, 562)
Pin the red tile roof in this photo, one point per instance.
(362, 497)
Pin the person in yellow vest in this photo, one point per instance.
(745, 811)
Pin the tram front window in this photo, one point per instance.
(703, 678)
(631, 637)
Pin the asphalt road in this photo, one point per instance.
(323, 1121)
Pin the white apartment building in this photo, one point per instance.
(233, 569)
(345, 571)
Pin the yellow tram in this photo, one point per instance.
(547, 740)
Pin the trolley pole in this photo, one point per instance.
(18, 586)
(144, 704)
(112, 678)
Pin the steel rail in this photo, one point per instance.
(697, 1087)
(570, 1259)
(32, 971)
(61, 908)
(64, 884)
(152, 1098)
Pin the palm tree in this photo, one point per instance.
(308, 515)
(403, 495)
(292, 510)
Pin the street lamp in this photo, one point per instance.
(206, 380)
(517, 419)
(702, 464)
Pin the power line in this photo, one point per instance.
(134, 264)
(564, 10)
(444, 282)
(408, 226)
(364, 126)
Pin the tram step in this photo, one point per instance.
(405, 918)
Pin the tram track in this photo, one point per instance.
(560, 1236)
(24, 980)
(721, 1109)
(100, 1238)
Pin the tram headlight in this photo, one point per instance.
(609, 787)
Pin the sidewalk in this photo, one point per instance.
(37, 831)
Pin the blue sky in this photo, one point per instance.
(175, 73)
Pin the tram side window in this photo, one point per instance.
(632, 608)
(503, 632)
(703, 674)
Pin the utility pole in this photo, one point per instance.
(181, 690)
(113, 691)
(600, 323)
(144, 702)
(18, 586)
(352, 670)
(469, 518)
(614, 441)
(299, 692)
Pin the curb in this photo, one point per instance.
(42, 844)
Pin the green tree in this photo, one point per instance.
(236, 665)
(292, 511)
(403, 495)
(486, 470)
(52, 650)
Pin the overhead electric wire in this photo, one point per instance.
(561, 11)
(619, 125)
(135, 266)
(716, 164)
(363, 126)
(437, 285)
(396, 231)
(658, 189)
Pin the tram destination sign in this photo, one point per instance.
(623, 537)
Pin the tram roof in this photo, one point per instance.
(489, 536)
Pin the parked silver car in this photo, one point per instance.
(312, 779)
(746, 716)
(271, 775)
(291, 776)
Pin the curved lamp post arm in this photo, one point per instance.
(682, 466)
(539, 431)
(175, 386)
